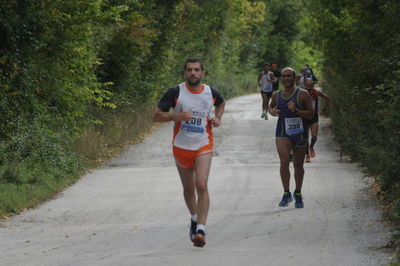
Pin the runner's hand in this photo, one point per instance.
(291, 106)
(274, 111)
(183, 116)
(215, 121)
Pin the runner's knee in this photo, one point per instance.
(285, 163)
(188, 191)
(201, 187)
(298, 166)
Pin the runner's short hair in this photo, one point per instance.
(193, 60)
(289, 68)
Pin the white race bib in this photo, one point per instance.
(294, 126)
(195, 125)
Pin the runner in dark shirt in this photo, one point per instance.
(292, 105)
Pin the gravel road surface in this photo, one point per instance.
(131, 211)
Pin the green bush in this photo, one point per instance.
(362, 74)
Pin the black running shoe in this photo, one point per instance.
(199, 239)
(298, 197)
(192, 230)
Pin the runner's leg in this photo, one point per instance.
(203, 164)
(298, 164)
(264, 102)
(314, 133)
(267, 100)
(189, 186)
(284, 146)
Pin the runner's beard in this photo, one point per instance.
(193, 83)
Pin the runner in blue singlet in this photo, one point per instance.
(290, 125)
(292, 106)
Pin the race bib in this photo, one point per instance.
(195, 125)
(294, 126)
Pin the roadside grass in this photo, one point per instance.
(16, 198)
(119, 129)
(396, 260)
(25, 184)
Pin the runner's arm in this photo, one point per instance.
(259, 79)
(168, 100)
(161, 116)
(272, 77)
(305, 100)
(219, 104)
(219, 111)
(325, 97)
(272, 106)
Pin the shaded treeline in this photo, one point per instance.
(360, 42)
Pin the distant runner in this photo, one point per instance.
(300, 78)
(265, 80)
(192, 143)
(313, 123)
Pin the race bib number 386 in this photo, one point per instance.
(294, 126)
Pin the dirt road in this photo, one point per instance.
(131, 211)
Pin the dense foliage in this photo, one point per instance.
(77, 76)
(360, 42)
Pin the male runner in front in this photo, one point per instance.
(192, 102)
(292, 105)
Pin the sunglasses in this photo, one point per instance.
(287, 76)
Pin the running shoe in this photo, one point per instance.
(192, 230)
(266, 116)
(308, 159)
(312, 152)
(286, 199)
(199, 239)
(298, 198)
(263, 114)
